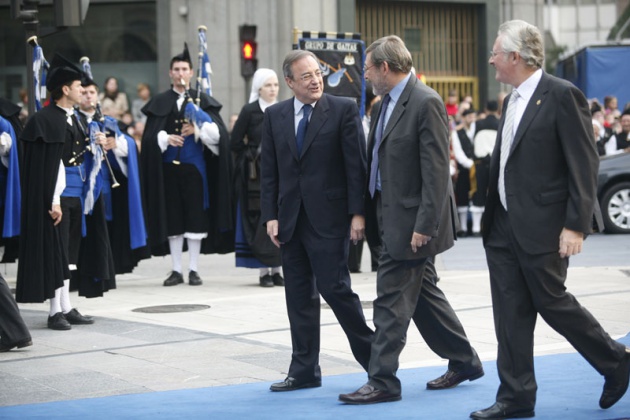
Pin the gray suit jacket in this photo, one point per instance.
(416, 184)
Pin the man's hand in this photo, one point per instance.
(418, 240)
(272, 231)
(188, 129)
(570, 242)
(55, 213)
(357, 228)
(108, 143)
(175, 140)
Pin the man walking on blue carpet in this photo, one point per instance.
(312, 182)
(540, 206)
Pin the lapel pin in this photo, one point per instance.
(538, 102)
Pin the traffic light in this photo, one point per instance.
(249, 63)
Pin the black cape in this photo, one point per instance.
(220, 238)
(10, 112)
(43, 264)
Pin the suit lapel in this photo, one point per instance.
(531, 110)
(287, 118)
(319, 117)
(399, 108)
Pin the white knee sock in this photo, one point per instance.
(55, 305)
(66, 306)
(276, 270)
(264, 271)
(194, 249)
(463, 218)
(176, 243)
(477, 213)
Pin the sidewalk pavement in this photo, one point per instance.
(231, 331)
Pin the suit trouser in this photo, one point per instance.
(313, 265)
(440, 327)
(523, 286)
(12, 327)
(408, 290)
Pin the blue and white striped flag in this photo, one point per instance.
(204, 83)
(40, 71)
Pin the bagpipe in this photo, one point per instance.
(192, 112)
(99, 124)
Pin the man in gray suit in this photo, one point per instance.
(541, 200)
(410, 207)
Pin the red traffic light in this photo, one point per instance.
(248, 50)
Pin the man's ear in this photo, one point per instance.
(289, 82)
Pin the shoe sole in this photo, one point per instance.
(621, 394)
(510, 416)
(385, 400)
(471, 378)
(295, 388)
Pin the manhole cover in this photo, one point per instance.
(165, 309)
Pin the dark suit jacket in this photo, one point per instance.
(328, 179)
(416, 184)
(551, 172)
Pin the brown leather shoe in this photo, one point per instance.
(451, 378)
(291, 384)
(367, 394)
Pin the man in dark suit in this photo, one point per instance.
(410, 207)
(541, 200)
(312, 186)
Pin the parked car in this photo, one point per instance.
(613, 191)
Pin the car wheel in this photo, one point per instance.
(615, 207)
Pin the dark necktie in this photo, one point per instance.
(380, 127)
(302, 126)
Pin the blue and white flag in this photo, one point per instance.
(40, 71)
(204, 83)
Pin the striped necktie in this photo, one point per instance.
(507, 135)
(378, 137)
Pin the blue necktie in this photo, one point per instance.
(302, 126)
(377, 143)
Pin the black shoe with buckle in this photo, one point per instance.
(58, 322)
(266, 281)
(174, 279)
(194, 279)
(75, 318)
(277, 279)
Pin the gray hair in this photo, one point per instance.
(292, 57)
(392, 50)
(525, 39)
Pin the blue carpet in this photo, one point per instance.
(568, 389)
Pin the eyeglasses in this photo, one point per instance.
(366, 68)
(307, 77)
(494, 54)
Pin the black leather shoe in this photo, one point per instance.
(617, 383)
(266, 281)
(367, 394)
(194, 279)
(291, 384)
(58, 322)
(20, 344)
(174, 279)
(451, 378)
(75, 318)
(278, 280)
(502, 411)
